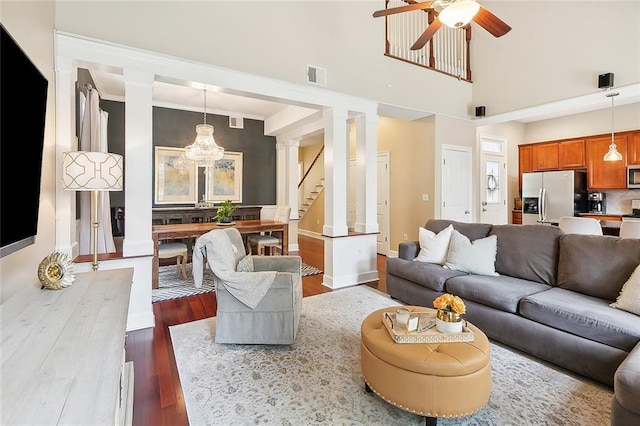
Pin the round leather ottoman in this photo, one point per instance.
(429, 379)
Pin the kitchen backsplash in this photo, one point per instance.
(619, 201)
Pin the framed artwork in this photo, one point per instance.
(176, 177)
(224, 179)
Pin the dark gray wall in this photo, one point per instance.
(177, 128)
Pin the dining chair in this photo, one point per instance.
(630, 229)
(580, 225)
(269, 240)
(177, 250)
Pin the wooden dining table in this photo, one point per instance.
(180, 231)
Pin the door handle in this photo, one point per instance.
(467, 212)
(484, 203)
(484, 210)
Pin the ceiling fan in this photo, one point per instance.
(452, 13)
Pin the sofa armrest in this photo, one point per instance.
(626, 382)
(277, 263)
(408, 250)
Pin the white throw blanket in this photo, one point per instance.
(222, 256)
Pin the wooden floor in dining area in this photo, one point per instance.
(158, 396)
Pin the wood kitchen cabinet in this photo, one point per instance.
(633, 148)
(572, 154)
(606, 174)
(545, 156)
(524, 162)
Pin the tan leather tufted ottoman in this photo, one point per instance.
(429, 379)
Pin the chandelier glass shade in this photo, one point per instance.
(459, 13)
(613, 154)
(204, 150)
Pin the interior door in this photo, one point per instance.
(382, 206)
(456, 183)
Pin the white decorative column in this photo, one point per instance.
(138, 176)
(66, 76)
(292, 148)
(336, 163)
(366, 173)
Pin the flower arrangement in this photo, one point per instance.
(449, 303)
(449, 315)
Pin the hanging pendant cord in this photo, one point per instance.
(205, 106)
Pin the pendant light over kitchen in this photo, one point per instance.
(612, 154)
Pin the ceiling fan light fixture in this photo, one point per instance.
(459, 14)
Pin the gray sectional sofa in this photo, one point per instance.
(551, 300)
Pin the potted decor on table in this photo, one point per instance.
(224, 212)
(449, 315)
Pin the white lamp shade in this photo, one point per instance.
(459, 14)
(89, 170)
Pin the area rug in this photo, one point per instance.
(318, 380)
(172, 286)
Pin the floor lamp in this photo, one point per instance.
(92, 171)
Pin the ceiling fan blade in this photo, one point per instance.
(491, 22)
(400, 9)
(427, 34)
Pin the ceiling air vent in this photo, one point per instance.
(316, 75)
(236, 122)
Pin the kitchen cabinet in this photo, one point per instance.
(524, 162)
(606, 174)
(572, 154)
(545, 156)
(633, 148)
(516, 217)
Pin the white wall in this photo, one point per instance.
(31, 24)
(555, 51)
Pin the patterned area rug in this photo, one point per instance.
(172, 286)
(318, 380)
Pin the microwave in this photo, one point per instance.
(633, 176)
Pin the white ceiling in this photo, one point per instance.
(190, 96)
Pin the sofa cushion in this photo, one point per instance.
(596, 265)
(629, 297)
(434, 247)
(528, 251)
(585, 316)
(473, 231)
(430, 275)
(477, 257)
(500, 292)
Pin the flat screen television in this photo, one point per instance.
(23, 104)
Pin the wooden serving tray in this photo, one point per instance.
(430, 335)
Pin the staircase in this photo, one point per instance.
(309, 192)
(307, 201)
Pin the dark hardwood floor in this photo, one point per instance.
(158, 396)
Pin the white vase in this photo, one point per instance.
(448, 327)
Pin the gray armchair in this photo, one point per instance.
(258, 303)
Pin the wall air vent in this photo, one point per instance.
(236, 122)
(316, 75)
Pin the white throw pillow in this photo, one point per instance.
(433, 248)
(478, 257)
(629, 298)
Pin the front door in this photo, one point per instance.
(493, 181)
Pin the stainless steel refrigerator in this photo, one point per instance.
(547, 196)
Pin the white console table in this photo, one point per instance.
(63, 353)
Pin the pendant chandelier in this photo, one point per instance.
(612, 154)
(204, 150)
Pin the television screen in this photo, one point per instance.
(23, 102)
